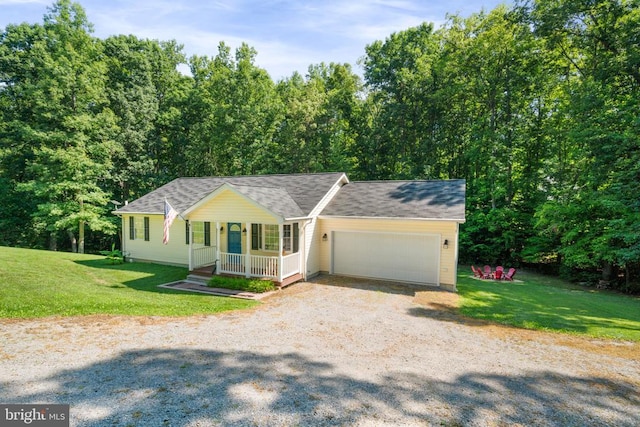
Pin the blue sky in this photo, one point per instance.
(289, 35)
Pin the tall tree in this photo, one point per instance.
(63, 127)
(132, 97)
(316, 133)
(594, 212)
(239, 111)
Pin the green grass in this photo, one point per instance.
(37, 283)
(547, 303)
(238, 283)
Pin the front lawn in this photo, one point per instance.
(546, 303)
(42, 283)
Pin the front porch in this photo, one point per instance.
(249, 248)
(203, 274)
(276, 268)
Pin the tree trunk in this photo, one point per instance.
(607, 269)
(81, 238)
(74, 242)
(53, 242)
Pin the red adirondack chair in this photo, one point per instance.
(510, 274)
(487, 272)
(476, 272)
(498, 273)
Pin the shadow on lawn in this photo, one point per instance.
(182, 387)
(536, 306)
(152, 274)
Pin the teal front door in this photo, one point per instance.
(234, 240)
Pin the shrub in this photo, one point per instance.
(115, 256)
(249, 285)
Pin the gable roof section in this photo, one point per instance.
(291, 196)
(437, 200)
(275, 200)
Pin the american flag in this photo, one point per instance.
(169, 215)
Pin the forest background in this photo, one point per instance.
(536, 106)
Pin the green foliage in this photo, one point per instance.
(535, 106)
(44, 283)
(544, 303)
(237, 283)
(114, 256)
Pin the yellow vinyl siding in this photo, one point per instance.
(175, 252)
(446, 230)
(232, 207)
(312, 239)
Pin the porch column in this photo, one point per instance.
(218, 265)
(280, 242)
(247, 259)
(190, 237)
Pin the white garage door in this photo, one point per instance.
(389, 256)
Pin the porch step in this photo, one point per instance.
(289, 281)
(198, 279)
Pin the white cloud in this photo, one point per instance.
(289, 35)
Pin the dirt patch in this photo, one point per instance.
(440, 300)
(336, 352)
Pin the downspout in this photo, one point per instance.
(217, 262)
(122, 239)
(190, 236)
(280, 259)
(247, 259)
(455, 265)
(303, 247)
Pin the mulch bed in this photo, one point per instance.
(233, 293)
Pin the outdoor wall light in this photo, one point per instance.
(221, 230)
(244, 231)
(445, 245)
(325, 237)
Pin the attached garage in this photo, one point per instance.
(389, 256)
(404, 231)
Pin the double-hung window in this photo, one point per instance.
(267, 237)
(201, 233)
(197, 230)
(271, 237)
(139, 228)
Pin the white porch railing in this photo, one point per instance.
(232, 263)
(205, 255)
(290, 265)
(264, 266)
(259, 266)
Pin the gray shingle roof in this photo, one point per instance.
(400, 199)
(277, 200)
(291, 196)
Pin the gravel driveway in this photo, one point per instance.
(333, 352)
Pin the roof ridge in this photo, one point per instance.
(405, 180)
(258, 175)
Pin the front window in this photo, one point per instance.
(266, 237)
(139, 228)
(271, 237)
(286, 237)
(197, 228)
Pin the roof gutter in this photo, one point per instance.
(391, 218)
(136, 213)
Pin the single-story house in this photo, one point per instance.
(294, 226)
